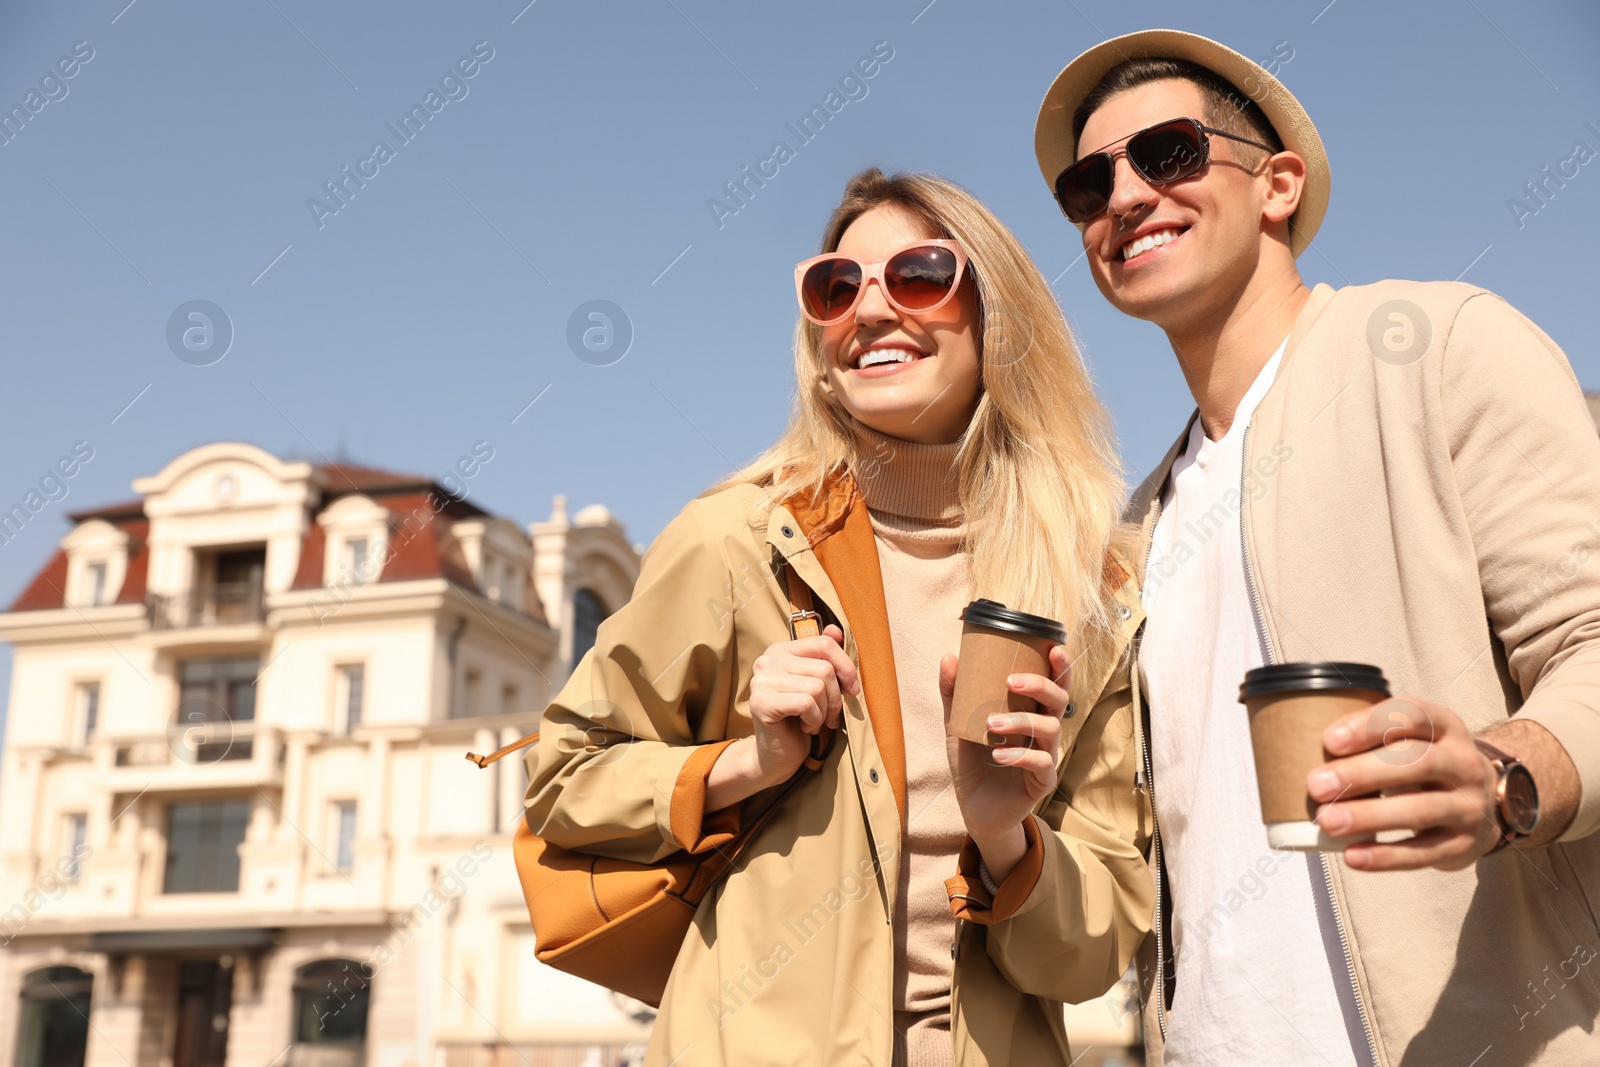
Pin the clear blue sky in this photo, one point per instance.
(428, 311)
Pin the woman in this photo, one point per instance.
(919, 899)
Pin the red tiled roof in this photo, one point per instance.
(308, 573)
(133, 582)
(343, 478)
(422, 544)
(48, 588)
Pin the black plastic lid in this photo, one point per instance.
(997, 616)
(1294, 677)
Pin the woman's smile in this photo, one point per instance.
(884, 358)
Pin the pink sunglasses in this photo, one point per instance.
(915, 279)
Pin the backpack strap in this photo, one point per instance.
(804, 621)
(484, 761)
(803, 618)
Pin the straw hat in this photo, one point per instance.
(1057, 149)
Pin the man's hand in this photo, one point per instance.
(1435, 782)
(998, 787)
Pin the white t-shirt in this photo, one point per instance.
(1261, 976)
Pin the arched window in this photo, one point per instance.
(54, 1029)
(330, 1014)
(588, 612)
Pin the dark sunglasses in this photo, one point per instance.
(916, 278)
(1162, 154)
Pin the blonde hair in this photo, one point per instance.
(1038, 477)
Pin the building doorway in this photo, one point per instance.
(233, 593)
(54, 1028)
(205, 998)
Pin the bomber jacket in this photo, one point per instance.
(1421, 491)
(790, 958)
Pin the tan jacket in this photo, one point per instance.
(790, 959)
(1422, 492)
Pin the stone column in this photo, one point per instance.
(374, 846)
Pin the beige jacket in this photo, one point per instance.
(790, 959)
(1422, 492)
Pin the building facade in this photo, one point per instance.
(236, 824)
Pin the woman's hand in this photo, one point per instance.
(795, 690)
(998, 787)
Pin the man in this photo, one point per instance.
(1401, 474)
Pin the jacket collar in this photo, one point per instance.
(1141, 509)
(1322, 295)
(822, 515)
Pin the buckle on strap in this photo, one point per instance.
(804, 623)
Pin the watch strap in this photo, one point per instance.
(1503, 762)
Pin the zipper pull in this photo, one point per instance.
(1139, 783)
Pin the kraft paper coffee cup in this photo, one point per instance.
(1290, 705)
(996, 642)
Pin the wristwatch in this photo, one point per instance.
(1516, 797)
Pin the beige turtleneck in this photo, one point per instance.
(911, 496)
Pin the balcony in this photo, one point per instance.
(227, 616)
(201, 744)
(221, 604)
(206, 755)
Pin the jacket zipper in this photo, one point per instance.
(1160, 986)
(1322, 859)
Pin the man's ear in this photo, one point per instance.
(1285, 176)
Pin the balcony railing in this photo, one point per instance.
(198, 756)
(200, 744)
(224, 604)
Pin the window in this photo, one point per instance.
(212, 695)
(97, 584)
(501, 581)
(216, 690)
(330, 1011)
(203, 842)
(54, 1026)
(510, 698)
(350, 693)
(588, 612)
(356, 542)
(474, 692)
(342, 835)
(353, 567)
(86, 713)
(74, 841)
